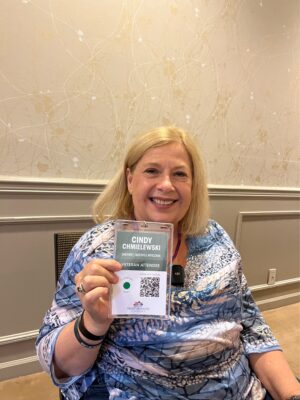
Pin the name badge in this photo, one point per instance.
(145, 251)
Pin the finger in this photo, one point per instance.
(96, 303)
(96, 295)
(99, 267)
(109, 264)
(90, 282)
(96, 271)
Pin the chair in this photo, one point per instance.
(63, 243)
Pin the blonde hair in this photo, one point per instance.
(116, 202)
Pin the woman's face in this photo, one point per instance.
(161, 184)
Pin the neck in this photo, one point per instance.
(177, 247)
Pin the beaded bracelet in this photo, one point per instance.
(85, 332)
(80, 340)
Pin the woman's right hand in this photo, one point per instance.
(95, 280)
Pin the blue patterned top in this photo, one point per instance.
(200, 352)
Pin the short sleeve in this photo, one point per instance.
(257, 336)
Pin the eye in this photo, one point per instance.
(181, 174)
(151, 171)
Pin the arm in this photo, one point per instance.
(260, 345)
(55, 341)
(265, 356)
(275, 374)
(70, 357)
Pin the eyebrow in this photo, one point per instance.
(154, 164)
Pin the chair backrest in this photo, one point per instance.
(63, 244)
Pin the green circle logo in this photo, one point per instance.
(126, 285)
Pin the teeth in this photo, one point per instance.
(163, 202)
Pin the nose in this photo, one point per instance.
(165, 183)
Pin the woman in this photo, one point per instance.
(215, 345)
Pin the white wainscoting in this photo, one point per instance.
(38, 208)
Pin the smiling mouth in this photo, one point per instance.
(162, 202)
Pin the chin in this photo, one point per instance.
(164, 218)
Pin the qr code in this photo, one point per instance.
(149, 287)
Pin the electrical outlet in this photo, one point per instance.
(272, 276)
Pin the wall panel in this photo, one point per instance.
(31, 212)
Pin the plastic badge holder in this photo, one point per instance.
(145, 251)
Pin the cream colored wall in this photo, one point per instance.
(79, 78)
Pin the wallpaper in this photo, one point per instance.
(80, 78)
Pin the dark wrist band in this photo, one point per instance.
(85, 332)
(80, 340)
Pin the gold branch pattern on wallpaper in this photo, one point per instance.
(80, 78)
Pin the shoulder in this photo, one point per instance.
(214, 235)
(96, 242)
(95, 238)
(212, 258)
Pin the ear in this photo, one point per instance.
(129, 177)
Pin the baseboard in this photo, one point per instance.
(19, 367)
(279, 301)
